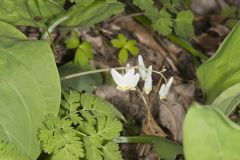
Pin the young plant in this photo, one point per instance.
(125, 46)
(83, 52)
(85, 128)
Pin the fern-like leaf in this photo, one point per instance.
(184, 27)
(164, 23)
(111, 151)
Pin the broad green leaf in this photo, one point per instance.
(10, 31)
(30, 89)
(184, 24)
(123, 56)
(25, 12)
(228, 100)
(166, 149)
(85, 16)
(164, 23)
(84, 83)
(223, 69)
(10, 152)
(208, 134)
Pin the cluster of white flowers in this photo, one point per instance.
(129, 79)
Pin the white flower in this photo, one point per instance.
(148, 81)
(142, 68)
(127, 81)
(165, 88)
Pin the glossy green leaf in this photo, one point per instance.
(25, 12)
(30, 89)
(84, 83)
(228, 100)
(123, 56)
(209, 135)
(85, 16)
(223, 69)
(166, 149)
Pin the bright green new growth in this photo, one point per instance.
(87, 125)
(125, 46)
(84, 51)
(164, 22)
(10, 152)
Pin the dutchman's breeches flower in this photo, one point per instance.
(126, 81)
(165, 88)
(148, 81)
(142, 68)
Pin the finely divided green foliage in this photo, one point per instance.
(222, 70)
(59, 137)
(30, 89)
(208, 134)
(10, 152)
(125, 46)
(164, 22)
(85, 130)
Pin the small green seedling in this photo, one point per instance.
(84, 51)
(125, 46)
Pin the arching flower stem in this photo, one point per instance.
(107, 70)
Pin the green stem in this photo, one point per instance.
(106, 70)
(142, 139)
(187, 47)
(45, 27)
